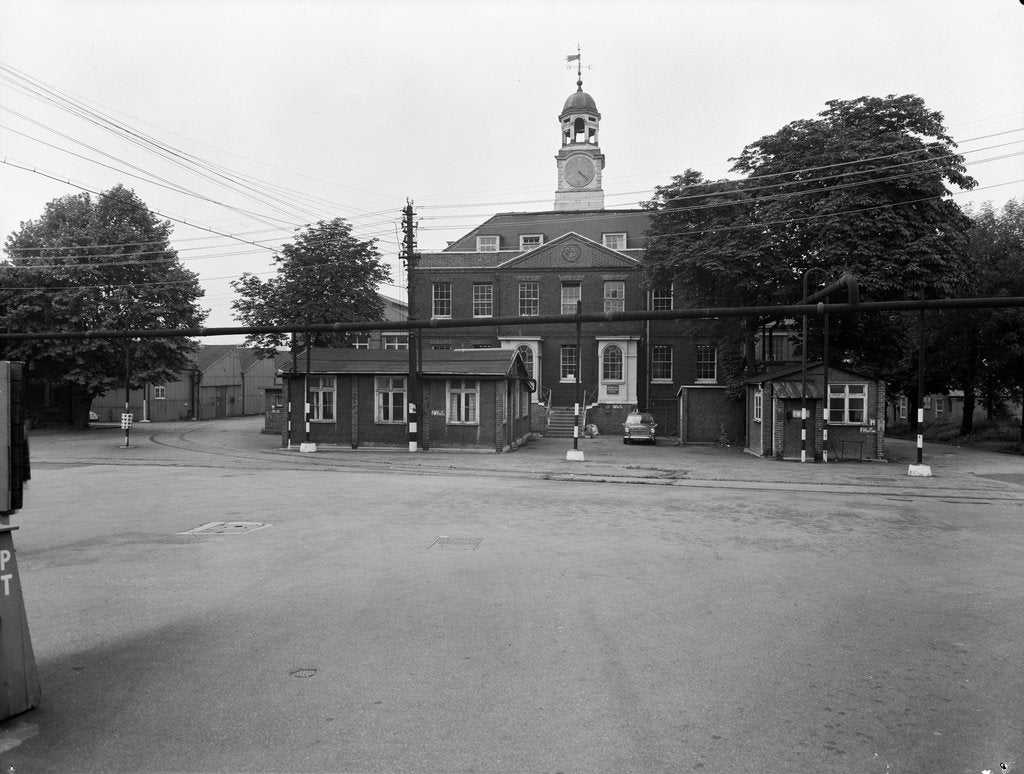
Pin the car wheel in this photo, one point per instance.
(625, 440)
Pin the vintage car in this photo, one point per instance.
(639, 426)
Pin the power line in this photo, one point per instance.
(37, 90)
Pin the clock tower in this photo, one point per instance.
(580, 161)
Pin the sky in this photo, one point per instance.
(306, 110)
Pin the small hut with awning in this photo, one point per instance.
(856, 421)
(471, 399)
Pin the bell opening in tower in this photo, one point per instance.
(579, 130)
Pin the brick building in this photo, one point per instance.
(543, 263)
(476, 400)
(857, 414)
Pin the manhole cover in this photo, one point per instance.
(302, 672)
(226, 528)
(464, 544)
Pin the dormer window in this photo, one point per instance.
(487, 244)
(614, 241)
(530, 241)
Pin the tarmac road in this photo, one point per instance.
(666, 609)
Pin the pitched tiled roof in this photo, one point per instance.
(554, 223)
(208, 354)
(780, 374)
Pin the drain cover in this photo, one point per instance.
(226, 528)
(303, 672)
(464, 544)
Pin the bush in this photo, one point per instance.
(995, 432)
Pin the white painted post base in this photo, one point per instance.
(307, 448)
(574, 455)
(919, 470)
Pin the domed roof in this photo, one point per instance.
(579, 101)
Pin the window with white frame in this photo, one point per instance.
(529, 299)
(707, 363)
(390, 400)
(442, 300)
(661, 363)
(159, 392)
(322, 392)
(361, 342)
(939, 405)
(615, 241)
(615, 296)
(530, 241)
(487, 244)
(903, 406)
(847, 404)
(571, 293)
(661, 299)
(927, 401)
(483, 299)
(463, 400)
(758, 405)
(395, 340)
(611, 363)
(568, 362)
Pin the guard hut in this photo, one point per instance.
(471, 399)
(856, 421)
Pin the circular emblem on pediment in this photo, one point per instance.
(571, 253)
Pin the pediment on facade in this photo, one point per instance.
(572, 252)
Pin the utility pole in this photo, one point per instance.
(409, 256)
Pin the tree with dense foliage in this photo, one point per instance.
(861, 188)
(97, 264)
(983, 349)
(325, 275)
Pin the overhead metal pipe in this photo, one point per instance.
(790, 310)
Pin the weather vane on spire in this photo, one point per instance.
(579, 65)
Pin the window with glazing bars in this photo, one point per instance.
(661, 362)
(442, 300)
(529, 299)
(615, 296)
(571, 293)
(390, 399)
(463, 397)
(483, 300)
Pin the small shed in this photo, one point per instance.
(471, 399)
(856, 420)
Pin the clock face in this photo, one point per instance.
(579, 171)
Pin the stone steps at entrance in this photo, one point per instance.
(561, 421)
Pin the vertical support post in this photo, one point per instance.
(824, 397)
(288, 387)
(803, 386)
(920, 469)
(920, 388)
(307, 446)
(126, 421)
(412, 417)
(575, 454)
(308, 362)
(579, 367)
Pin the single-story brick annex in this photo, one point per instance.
(473, 399)
(856, 423)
